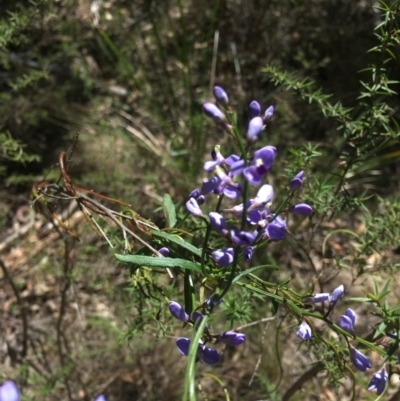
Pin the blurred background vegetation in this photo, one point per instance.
(129, 77)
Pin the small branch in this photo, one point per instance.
(21, 304)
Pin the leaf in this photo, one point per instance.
(248, 271)
(177, 240)
(153, 261)
(274, 306)
(169, 210)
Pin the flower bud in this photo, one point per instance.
(220, 95)
(178, 312)
(269, 113)
(297, 181)
(256, 125)
(276, 230)
(214, 112)
(301, 209)
(164, 251)
(223, 257)
(232, 338)
(248, 253)
(254, 109)
(359, 360)
(378, 381)
(193, 207)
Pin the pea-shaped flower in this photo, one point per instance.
(256, 125)
(347, 321)
(100, 397)
(208, 355)
(304, 331)
(193, 207)
(269, 113)
(378, 381)
(9, 391)
(232, 338)
(223, 257)
(301, 209)
(359, 360)
(276, 229)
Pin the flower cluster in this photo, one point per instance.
(9, 392)
(208, 355)
(226, 173)
(347, 322)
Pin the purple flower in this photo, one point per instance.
(210, 185)
(214, 112)
(262, 162)
(360, 361)
(223, 257)
(9, 391)
(276, 230)
(336, 294)
(217, 159)
(220, 95)
(264, 196)
(194, 194)
(256, 125)
(248, 253)
(301, 209)
(178, 312)
(378, 381)
(218, 223)
(304, 331)
(164, 251)
(100, 397)
(254, 109)
(318, 298)
(208, 355)
(193, 207)
(297, 181)
(207, 303)
(347, 321)
(232, 338)
(242, 237)
(269, 113)
(200, 200)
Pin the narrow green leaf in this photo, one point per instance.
(248, 271)
(169, 210)
(178, 241)
(152, 261)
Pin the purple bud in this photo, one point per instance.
(164, 252)
(297, 181)
(210, 356)
(254, 109)
(304, 331)
(336, 294)
(207, 303)
(232, 338)
(346, 324)
(193, 207)
(218, 223)
(200, 200)
(214, 112)
(9, 391)
(100, 397)
(194, 194)
(301, 209)
(318, 298)
(210, 185)
(256, 125)
(242, 237)
(223, 257)
(178, 312)
(183, 345)
(359, 360)
(248, 253)
(269, 113)
(378, 381)
(276, 230)
(220, 95)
